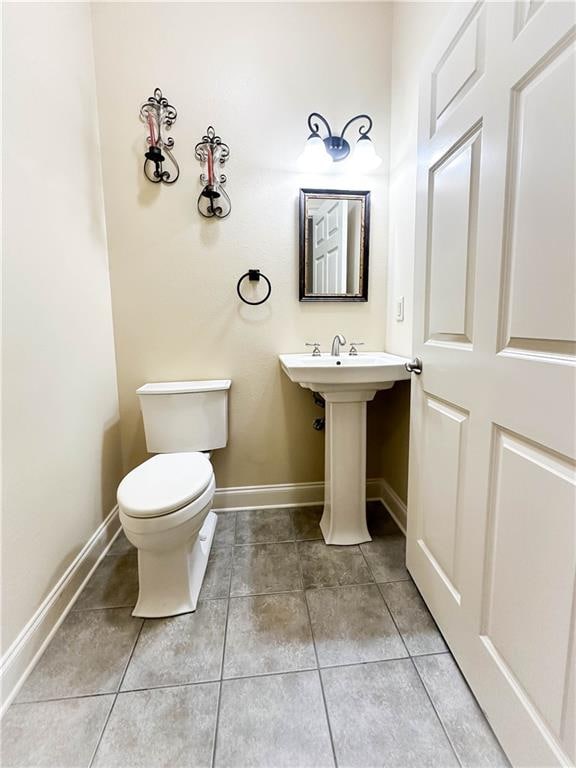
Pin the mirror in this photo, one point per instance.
(334, 240)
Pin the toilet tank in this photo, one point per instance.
(185, 415)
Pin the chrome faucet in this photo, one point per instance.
(336, 343)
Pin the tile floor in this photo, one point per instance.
(299, 655)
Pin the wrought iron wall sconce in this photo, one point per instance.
(320, 153)
(158, 115)
(213, 153)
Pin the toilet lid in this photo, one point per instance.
(164, 483)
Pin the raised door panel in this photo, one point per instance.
(540, 244)
(445, 435)
(319, 230)
(531, 567)
(452, 215)
(459, 68)
(525, 10)
(333, 218)
(569, 716)
(320, 275)
(333, 258)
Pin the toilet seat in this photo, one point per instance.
(150, 526)
(164, 484)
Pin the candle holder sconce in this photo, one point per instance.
(158, 115)
(213, 153)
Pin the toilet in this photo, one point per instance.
(165, 503)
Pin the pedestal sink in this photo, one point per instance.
(347, 383)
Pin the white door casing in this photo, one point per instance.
(492, 504)
(330, 245)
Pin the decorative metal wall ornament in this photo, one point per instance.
(157, 114)
(213, 200)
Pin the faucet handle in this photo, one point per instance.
(353, 345)
(316, 351)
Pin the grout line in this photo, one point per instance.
(92, 758)
(267, 594)
(410, 658)
(63, 698)
(218, 703)
(217, 717)
(312, 588)
(232, 560)
(131, 655)
(191, 683)
(431, 653)
(133, 605)
(302, 587)
(453, 748)
(103, 607)
(327, 719)
(116, 696)
(264, 543)
(216, 681)
(303, 541)
(363, 663)
(253, 594)
(317, 660)
(292, 526)
(387, 607)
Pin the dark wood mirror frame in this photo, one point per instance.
(353, 194)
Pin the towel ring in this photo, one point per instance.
(254, 275)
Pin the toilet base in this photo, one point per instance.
(170, 581)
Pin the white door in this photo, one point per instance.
(492, 506)
(330, 240)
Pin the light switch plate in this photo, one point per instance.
(400, 309)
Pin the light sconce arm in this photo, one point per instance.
(363, 130)
(314, 127)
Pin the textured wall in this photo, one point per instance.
(61, 446)
(413, 28)
(254, 71)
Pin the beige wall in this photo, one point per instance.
(254, 71)
(61, 456)
(413, 28)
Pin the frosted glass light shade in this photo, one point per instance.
(314, 157)
(365, 157)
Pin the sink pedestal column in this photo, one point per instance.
(344, 518)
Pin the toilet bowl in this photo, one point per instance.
(165, 503)
(165, 512)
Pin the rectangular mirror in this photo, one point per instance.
(334, 243)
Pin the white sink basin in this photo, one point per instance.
(347, 383)
(367, 370)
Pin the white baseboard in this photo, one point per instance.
(303, 495)
(21, 657)
(263, 496)
(394, 504)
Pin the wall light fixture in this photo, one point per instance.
(320, 153)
